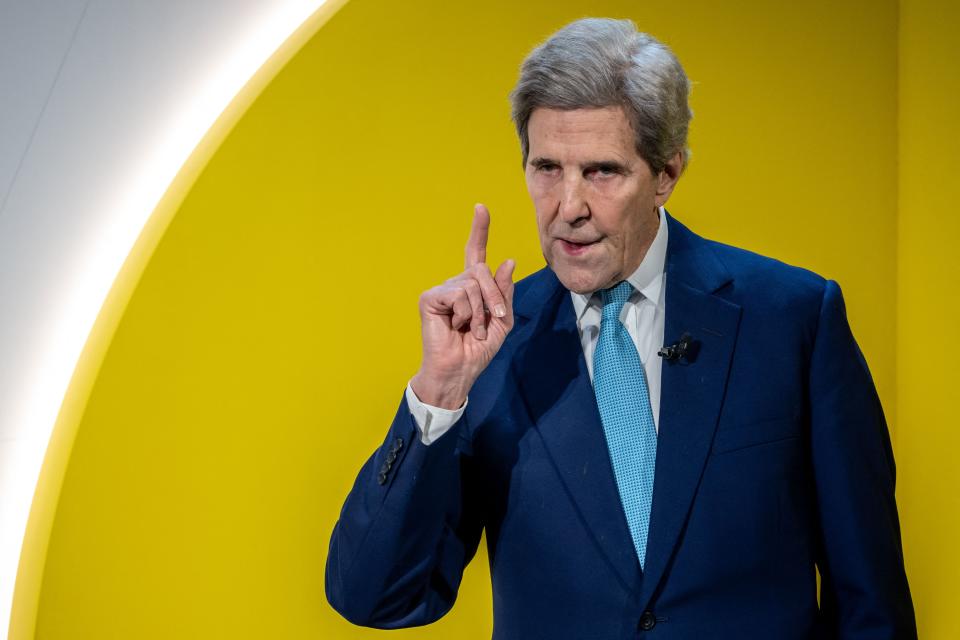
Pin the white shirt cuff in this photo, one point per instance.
(432, 421)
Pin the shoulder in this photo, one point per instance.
(765, 280)
(774, 297)
(783, 307)
(742, 276)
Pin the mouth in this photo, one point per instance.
(575, 248)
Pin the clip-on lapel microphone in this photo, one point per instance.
(684, 349)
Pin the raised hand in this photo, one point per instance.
(464, 322)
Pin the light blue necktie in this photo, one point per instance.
(620, 385)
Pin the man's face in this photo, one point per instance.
(596, 198)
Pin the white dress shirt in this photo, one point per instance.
(642, 315)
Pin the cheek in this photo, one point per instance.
(543, 233)
(620, 212)
(608, 221)
(539, 186)
(537, 196)
(542, 229)
(544, 213)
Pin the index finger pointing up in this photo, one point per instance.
(477, 243)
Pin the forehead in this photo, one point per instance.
(560, 134)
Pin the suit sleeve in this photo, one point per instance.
(406, 530)
(864, 591)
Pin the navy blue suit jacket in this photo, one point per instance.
(773, 458)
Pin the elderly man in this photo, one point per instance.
(664, 436)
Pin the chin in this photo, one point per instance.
(578, 280)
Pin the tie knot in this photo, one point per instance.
(613, 300)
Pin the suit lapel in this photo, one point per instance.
(556, 389)
(691, 391)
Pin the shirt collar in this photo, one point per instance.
(647, 279)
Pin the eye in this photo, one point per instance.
(602, 171)
(547, 167)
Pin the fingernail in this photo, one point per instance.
(499, 311)
(481, 333)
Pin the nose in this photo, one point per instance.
(573, 204)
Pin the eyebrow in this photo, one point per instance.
(540, 161)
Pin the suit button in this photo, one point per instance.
(391, 456)
(382, 478)
(647, 621)
(397, 445)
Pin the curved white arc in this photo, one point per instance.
(140, 87)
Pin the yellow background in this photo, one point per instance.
(256, 345)
(928, 311)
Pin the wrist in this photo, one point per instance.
(437, 392)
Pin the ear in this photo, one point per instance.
(668, 177)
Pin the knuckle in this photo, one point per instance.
(428, 296)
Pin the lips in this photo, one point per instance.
(574, 248)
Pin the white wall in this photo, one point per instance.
(101, 102)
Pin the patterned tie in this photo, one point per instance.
(624, 401)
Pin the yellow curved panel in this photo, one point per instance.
(47, 492)
(262, 348)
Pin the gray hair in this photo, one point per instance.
(599, 62)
